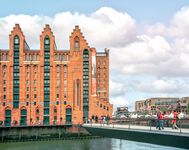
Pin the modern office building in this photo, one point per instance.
(50, 86)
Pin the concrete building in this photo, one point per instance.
(162, 103)
(51, 86)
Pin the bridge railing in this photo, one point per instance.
(144, 123)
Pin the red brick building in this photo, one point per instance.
(51, 86)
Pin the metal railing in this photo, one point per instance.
(149, 124)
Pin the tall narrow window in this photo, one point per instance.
(76, 43)
(4, 68)
(85, 84)
(16, 71)
(46, 118)
(8, 117)
(23, 117)
(78, 92)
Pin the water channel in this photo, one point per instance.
(84, 144)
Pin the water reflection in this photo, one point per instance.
(92, 144)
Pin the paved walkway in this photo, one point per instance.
(166, 130)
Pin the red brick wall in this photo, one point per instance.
(74, 72)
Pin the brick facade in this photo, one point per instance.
(52, 83)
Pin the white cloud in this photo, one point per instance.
(158, 51)
(105, 27)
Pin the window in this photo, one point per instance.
(27, 67)
(35, 75)
(76, 43)
(46, 81)
(65, 89)
(16, 67)
(4, 68)
(47, 74)
(58, 75)
(37, 111)
(4, 75)
(16, 81)
(46, 89)
(98, 81)
(58, 68)
(35, 82)
(65, 82)
(35, 96)
(47, 67)
(16, 40)
(35, 68)
(35, 89)
(27, 89)
(57, 83)
(27, 82)
(4, 97)
(65, 74)
(47, 41)
(57, 95)
(64, 102)
(27, 75)
(27, 96)
(65, 69)
(46, 111)
(4, 89)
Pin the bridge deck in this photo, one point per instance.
(146, 134)
(166, 130)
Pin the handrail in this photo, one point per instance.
(150, 124)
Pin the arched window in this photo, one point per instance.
(4, 68)
(47, 40)
(37, 111)
(35, 68)
(68, 115)
(55, 110)
(23, 117)
(16, 40)
(76, 43)
(8, 117)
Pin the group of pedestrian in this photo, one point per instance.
(105, 120)
(161, 119)
(94, 119)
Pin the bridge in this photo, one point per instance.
(143, 131)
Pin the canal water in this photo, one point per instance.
(84, 144)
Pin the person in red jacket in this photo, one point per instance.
(174, 121)
(160, 118)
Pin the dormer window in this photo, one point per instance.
(76, 43)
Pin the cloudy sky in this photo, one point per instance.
(148, 40)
